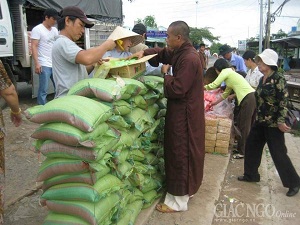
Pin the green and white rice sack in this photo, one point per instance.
(78, 111)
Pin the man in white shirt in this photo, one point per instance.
(42, 39)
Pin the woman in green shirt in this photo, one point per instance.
(245, 99)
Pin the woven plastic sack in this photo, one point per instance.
(68, 135)
(119, 156)
(120, 107)
(150, 132)
(151, 97)
(129, 81)
(150, 183)
(127, 139)
(53, 149)
(138, 101)
(152, 110)
(151, 159)
(136, 194)
(93, 213)
(52, 167)
(137, 155)
(136, 179)
(126, 195)
(78, 111)
(140, 119)
(118, 122)
(122, 170)
(108, 90)
(130, 213)
(62, 219)
(150, 197)
(155, 83)
(162, 103)
(87, 178)
(84, 192)
(139, 167)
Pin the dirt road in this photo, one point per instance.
(22, 164)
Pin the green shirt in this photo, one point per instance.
(234, 82)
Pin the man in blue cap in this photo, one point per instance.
(235, 60)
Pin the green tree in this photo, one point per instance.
(149, 21)
(214, 48)
(198, 35)
(279, 34)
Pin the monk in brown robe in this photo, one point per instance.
(185, 125)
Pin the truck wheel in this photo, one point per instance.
(10, 74)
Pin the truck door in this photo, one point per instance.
(6, 35)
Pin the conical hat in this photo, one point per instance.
(120, 33)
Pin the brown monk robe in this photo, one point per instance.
(185, 123)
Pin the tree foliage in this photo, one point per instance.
(198, 35)
(214, 48)
(279, 34)
(150, 21)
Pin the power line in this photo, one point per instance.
(278, 11)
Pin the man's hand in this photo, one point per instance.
(138, 55)
(38, 68)
(165, 68)
(101, 61)
(109, 44)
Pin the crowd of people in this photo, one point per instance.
(260, 94)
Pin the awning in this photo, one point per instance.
(97, 8)
(158, 40)
(288, 42)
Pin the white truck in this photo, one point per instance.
(18, 17)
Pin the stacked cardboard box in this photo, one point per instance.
(217, 134)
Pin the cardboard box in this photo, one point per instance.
(211, 129)
(133, 70)
(220, 143)
(210, 143)
(209, 121)
(221, 150)
(225, 130)
(209, 149)
(225, 122)
(223, 137)
(211, 137)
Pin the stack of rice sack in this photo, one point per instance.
(103, 150)
(217, 133)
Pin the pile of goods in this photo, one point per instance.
(218, 123)
(104, 151)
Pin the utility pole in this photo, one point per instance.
(268, 26)
(261, 27)
(197, 14)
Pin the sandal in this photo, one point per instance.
(235, 151)
(162, 207)
(238, 156)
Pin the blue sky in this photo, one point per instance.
(232, 20)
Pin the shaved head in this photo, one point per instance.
(180, 28)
